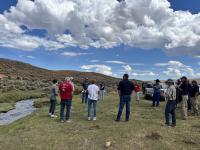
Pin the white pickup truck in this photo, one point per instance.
(149, 92)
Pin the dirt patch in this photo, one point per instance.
(94, 127)
(189, 142)
(2, 76)
(154, 136)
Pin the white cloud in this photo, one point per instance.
(73, 54)
(177, 69)
(144, 74)
(115, 62)
(31, 57)
(127, 69)
(103, 69)
(102, 23)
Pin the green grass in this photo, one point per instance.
(4, 107)
(14, 96)
(145, 130)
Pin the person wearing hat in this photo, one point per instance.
(184, 93)
(171, 103)
(156, 93)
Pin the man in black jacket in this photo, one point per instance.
(125, 89)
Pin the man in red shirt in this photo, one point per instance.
(66, 93)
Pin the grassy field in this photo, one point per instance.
(8, 99)
(144, 131)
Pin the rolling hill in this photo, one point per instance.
(15, 70)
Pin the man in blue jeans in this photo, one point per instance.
(125, 89)
(156, 93)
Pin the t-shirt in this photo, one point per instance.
(102, 87)
(126, 87)
(137, 88)
(66, 90)
(85, 85)
(93, 92)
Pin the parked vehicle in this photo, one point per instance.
(148, 94)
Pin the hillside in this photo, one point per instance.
(15, 70)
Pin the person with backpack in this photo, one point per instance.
(66, 93)
(194, 93)
(156, 93)
(93, 91)
(184, 94)
(170, 108)
(53, 99)
(102, 89)
(125, 89)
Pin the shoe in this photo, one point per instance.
(117, 120)
(62, 121)
(89, 119)
(94, 119)
(173, 125)
(53, 116)
(50, 114)
(69, 120)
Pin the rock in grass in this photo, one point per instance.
(108, 144)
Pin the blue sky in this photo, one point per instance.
(141, 60)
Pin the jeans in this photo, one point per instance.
(68, 104)
(156, 99)
(101, 94)
(84, 97)
(170, 109)
(124, 99)
(52, 106)
(90, 102)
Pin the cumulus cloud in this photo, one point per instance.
(103, 69)
(127, 69)
(177, 69)
(73, 54)
(102, 23)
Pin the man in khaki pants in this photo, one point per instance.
(184, 92)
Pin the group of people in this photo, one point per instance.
(90, 94)
(182, 92)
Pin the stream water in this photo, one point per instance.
(22, 109)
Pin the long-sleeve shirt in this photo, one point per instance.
(171, 93)
(53, 92)
(184, 88)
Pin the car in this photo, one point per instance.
(148, 94)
